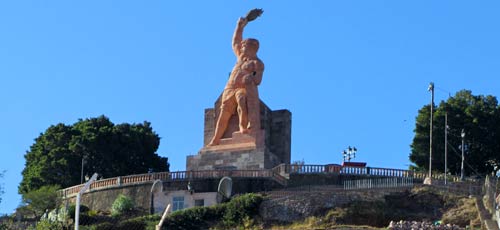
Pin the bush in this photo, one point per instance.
(121, 205)
(72, 209)
(245, 206)
(236, 213)
(135, 224)
(103, 226)
(193, 218)
(366, 213)
(49, 225)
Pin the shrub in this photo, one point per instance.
(135, 224)
(241, 207)
(103, 226)
(48, 225)
(72, 209)
(193, 218)
(92, 213)
(121, 205)
(150, 221)
(366, 213)
(236, 213)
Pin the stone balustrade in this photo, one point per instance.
(369, 171)
(174, 176)
(279, 174)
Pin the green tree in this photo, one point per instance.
(42, 199)
(478, 116)
(108, 149)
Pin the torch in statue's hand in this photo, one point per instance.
(253, 14)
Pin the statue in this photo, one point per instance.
(241, 94)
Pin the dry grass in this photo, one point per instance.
(462, 213)
(318, 223)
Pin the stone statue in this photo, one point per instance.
(240, 94)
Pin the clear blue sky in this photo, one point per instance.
(351, 72)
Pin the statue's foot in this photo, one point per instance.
(245, 131)
(213, 142)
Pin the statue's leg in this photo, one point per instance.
(241, 100)
(227, 109)
(253, 104)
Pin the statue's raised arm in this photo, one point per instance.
(238, 35)
(240, 25)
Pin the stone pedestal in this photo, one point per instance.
(242, 159)
(263, 149)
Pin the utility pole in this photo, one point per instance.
(463, 150)
(431, 88)
(81, 174)
(445, 147)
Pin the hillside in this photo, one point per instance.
(358, 209)
(369, 209)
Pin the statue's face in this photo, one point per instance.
(249, 47)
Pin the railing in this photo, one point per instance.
(176, 176)
(279, 174)
(354, 170)
(394, 182)
(304, 168)
(284, 169)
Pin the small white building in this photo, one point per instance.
(182, 199)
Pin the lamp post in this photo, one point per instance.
(497, 174)
(83, 160)
(152, 196)
(349, 153)
(446, 148)
(81, 174)
(431, 88)
(463, 150)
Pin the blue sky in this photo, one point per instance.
(351, 72)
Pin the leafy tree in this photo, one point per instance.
(108, 149)
(42, 199)
(478, 116)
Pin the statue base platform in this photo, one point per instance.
(241, 151)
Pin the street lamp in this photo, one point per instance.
(83, 160)
(431, 88)
(497, 174)
(81, 174)
(463, 150)
(446, 148)
(349, 153)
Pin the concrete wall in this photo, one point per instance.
(163, 192)
(103, 199)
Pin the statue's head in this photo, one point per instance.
(250, 46)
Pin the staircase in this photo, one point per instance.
(486, 218)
